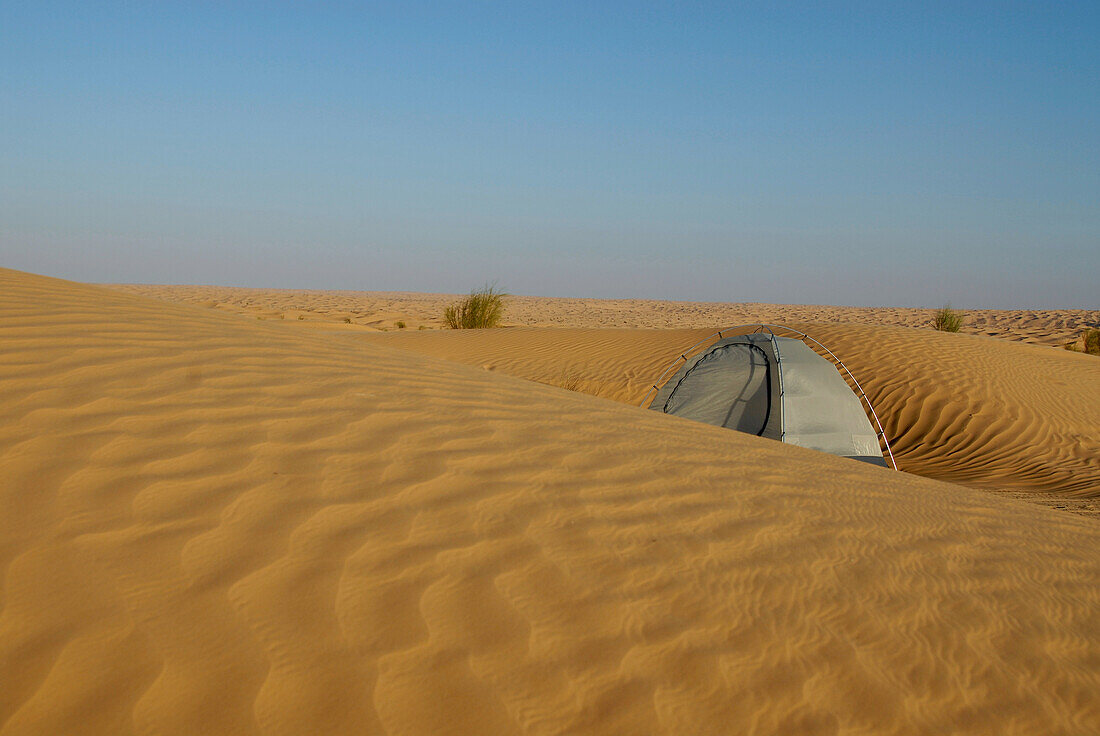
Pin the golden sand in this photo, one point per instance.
(221, 525)
(973, 410)
(366, 310)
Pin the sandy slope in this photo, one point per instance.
(219, 526)
(367, 310)
(982, 412)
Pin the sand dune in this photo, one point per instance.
(977, 411)
(382, 311)
(217, 525)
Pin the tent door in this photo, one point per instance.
(728, 387)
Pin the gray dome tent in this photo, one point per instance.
(775, 387)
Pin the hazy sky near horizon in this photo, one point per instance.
(841, 153)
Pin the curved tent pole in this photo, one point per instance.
(863, 395)
(683, 356)
(760, 327)
(779, 373)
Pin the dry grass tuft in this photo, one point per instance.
(482, 308)
(946, 319)
(1089, 343)
(1092, 342)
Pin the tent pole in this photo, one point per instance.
(760, 327)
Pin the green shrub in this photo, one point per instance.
(482, 308)
(400, 325)
(1092, 342)
(946, 319)
(1089, 343)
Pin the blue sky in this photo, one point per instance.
(844, 153)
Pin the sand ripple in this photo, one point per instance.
(219, 526)
(981, 412)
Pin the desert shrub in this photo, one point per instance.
(347, 320)
(400, 324)
(1092, 342)
(946, 319)
(1089, 342)
(482, 308)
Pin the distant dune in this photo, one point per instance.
(982, 413)
(223, 525)
(381, 311)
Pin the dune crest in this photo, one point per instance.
(215, 525)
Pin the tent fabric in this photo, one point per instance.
(730, 387)
(775, 387)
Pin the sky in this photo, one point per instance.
(877, 153)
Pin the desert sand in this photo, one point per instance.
(215, 523)
(972, 410)
(372, 310)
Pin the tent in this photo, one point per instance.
(775, 387)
